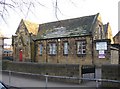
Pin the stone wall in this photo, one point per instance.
(114, 55)
(90, 57)
(59, 57)
(111, 72)
(69, 70)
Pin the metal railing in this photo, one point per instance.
(62, 77)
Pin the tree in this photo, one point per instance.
(25, 6)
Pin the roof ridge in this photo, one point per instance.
(68, 19)
(71, 27)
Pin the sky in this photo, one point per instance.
(45, 12)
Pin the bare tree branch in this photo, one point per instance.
(28, 10)
(73, 3)
(40, 3)
(3, 18)
(7, 4)
(25, 7)
(57, 9)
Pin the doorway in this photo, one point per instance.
(20, 55)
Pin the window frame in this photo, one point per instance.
(41, 49)
(65, 49)
(52, 48)
(82, 45)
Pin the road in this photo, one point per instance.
(20, 81)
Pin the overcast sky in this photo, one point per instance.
(69, 9)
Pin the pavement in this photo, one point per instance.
(24, 81)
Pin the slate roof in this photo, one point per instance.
(67, 28)
(117, 35)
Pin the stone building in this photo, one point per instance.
(116, 44)
(108, 32)
(71, 41)
(2, 37)
(1, 45)
(22, 42)
(116, 38)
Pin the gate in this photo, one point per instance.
(85, 69)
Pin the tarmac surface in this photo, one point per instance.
(25, 81)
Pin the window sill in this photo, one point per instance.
(52, 54)
(81, 55)
(40, 54)
(65, 54)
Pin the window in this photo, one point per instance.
(65, 48)
(52, 48)
(81, 47)
(41, 49)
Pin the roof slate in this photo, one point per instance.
(118, 34)
(66, 28)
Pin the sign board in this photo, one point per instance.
(101, 45)
(101, 54)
